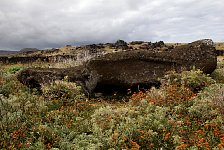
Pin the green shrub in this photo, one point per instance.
(167, 95)
(10, 85)
(171, 117)
(15, 69)
(84, 141)
(19, 113)
(206, 100)
(196, 80)
(62, 91)
(206, 115)
(218, 75)
(131, 127)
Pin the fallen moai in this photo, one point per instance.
(122, 70)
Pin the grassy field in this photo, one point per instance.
(186, 112)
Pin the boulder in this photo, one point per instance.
(36, 77)
(142, 68)
(128, 69)
(136, 42)
(120, 44)
(158, 44)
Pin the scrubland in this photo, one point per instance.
(186, 112)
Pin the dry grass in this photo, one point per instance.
(219, 45)
(175, 44)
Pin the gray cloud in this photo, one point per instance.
(54, 23)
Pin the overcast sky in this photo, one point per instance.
(54, 23)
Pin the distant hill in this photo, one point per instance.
(5, 52)
(29, 50)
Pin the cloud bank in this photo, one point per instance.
(54, 23)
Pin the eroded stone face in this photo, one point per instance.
(126, 69)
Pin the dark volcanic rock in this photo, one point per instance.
(28, 50)
(94, 46)
(130, 69)
(143, 67)
(35, 77)
(220, 52)
(136, 42)
(30, 59)
(158, 44)
(121, 44)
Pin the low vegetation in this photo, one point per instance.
(186, 112)
(219, 46)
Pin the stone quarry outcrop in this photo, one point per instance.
(128, 69)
